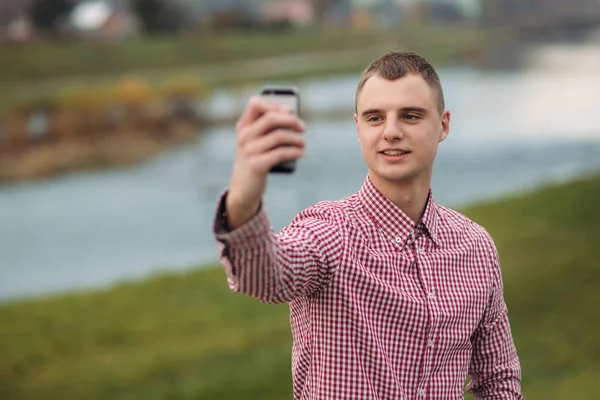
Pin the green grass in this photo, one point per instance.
(64, 59)
(186, 336)
(549, 244)
(42, 71)
(170, 337)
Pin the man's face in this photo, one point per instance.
(399, 128)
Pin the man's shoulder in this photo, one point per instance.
(457, 223)
(333, 211)
(462, 232)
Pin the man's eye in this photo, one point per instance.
(411, 117)
(374, 119)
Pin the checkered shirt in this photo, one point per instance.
(381, 308)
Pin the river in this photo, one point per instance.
(511, 131)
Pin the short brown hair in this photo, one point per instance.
(394, 65)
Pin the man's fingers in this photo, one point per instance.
(267, 161)
(268, 122)
(272, 140)
(255, 109)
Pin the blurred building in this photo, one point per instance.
(251, 14)
(539, 12)
(103, 19)
(15, 25)
(361, 13)
(438, 11)
(292, 13)
(12, 9)
(109, 19)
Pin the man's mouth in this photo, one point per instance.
(394, 152)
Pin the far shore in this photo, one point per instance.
(53, 158)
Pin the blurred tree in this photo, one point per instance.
(160, 16)
(47, 15)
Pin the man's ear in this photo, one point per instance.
(445, 125)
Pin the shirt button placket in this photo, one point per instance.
(430, 343)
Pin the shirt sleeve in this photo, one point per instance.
(278, 268)
(495, 367)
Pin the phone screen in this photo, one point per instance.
(289, 97)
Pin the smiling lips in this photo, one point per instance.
(394, 152)
(394, 155)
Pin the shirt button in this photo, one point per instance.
(430, 343)
(421, 251)
(431, 296)
(398, 240)
(422, 393)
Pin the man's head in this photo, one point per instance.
(396, 65)
(400, 106)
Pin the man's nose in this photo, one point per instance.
(392, 130)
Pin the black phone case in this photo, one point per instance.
(289, 166)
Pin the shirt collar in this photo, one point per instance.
(392, 220)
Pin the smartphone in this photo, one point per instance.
(289, 96)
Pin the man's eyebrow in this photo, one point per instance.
(414, 109)
(370, 112)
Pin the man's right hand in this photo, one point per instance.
(267, 135)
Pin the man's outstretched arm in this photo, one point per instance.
(279, 268)
(273, 268)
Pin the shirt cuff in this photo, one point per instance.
(249, 235)
(235, 246)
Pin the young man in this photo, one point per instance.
(391, 295)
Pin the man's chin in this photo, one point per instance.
(397, 174)
(397, 177)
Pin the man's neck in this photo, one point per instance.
(411, 197)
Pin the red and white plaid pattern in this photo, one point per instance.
(381, 309)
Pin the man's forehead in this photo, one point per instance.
(410, 90)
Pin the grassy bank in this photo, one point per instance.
(74, 83)
(45, 69)
(187, 337)
(43, 61)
